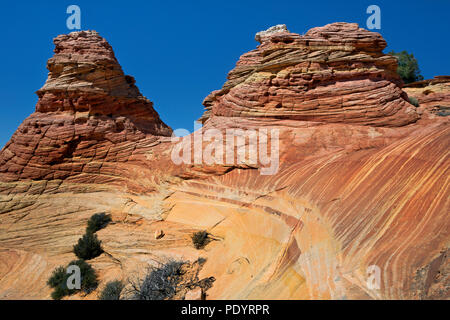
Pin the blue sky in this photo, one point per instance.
(179, 52)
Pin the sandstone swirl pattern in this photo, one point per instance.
(363, 177)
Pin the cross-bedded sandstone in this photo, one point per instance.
(89, 118)
(361, 183)
(336, 74)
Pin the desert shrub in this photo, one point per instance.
(443, 111)
(200, 239)
(59, 292)
(97, 221)
(58, 281)
(408, 68)
(159, 283)
(112, 290)
(59, 277)
(414, 101)
(88, 247)
(88, 276)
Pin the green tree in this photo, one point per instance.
(408, 68)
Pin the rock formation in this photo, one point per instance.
(433, 95)
(90, 117)
(336, 73)
(362, 180)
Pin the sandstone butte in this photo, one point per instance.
(363, 177)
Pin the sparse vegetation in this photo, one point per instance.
(59, 293)
(97, 222)
(443, 111)
(160, 283)
(88, 276)
(200, 239)
(88, 247)
(57, 281)
(59, 277)
(414, 101)
(408, 68)
(112, 291)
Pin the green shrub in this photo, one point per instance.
(414, 101)
(408, 68)
(443, 111)
(97, 221)
(58, 281)
(159, 283)
(59, 292)
(89, 280)
(112, 290)
(59, 277)
(200, 239)
(88, 247)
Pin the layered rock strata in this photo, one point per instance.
(361, 185)
(432, 95)
(89, 118)
(336, 73)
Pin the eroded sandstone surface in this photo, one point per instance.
(333, 74)
(433, 95)
(362, 180)
(89, 120)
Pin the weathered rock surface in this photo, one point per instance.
(336, 73)
(362, 181)
(279, 28)
(89, 119)
(433, 95)
(194, 294)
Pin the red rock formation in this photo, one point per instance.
(90, 117)
(360, 182)
(336, 73)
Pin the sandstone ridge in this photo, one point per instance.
(362, 178)
(336, 73)
(89, 116)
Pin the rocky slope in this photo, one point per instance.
(362, 177)
(433, 95)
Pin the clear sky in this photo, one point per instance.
(179, 51)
